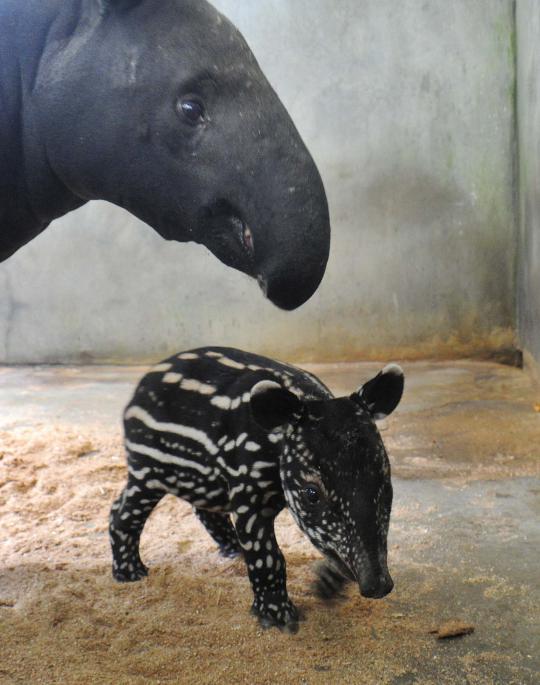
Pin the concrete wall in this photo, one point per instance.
(528, 288)
(408, 109)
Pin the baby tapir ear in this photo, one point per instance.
(273, 406)
(382, 393)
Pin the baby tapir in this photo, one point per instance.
(240, 436)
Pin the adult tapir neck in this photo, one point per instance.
(31, 192)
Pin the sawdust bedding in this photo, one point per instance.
(64, 620)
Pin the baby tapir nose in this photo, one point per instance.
(376, 586)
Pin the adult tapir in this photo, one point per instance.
(160, 107)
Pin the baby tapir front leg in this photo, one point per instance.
(266, 569)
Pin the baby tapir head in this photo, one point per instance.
(335, 472)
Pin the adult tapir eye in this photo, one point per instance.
(312, 494)
(191, 110)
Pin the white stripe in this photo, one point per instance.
(249, 524)
(234, 491)
(214, 355)
(230, 362)
(160, 367)
(139, 475)
(176, 428)
(242, 470)
(156, 485)
(198, 386)
(263, 464)
(165, 458)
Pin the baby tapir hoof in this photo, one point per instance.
(131, 573)
(329, 583)
(230, 550)
(270, 614)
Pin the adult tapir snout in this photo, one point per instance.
(291, 256)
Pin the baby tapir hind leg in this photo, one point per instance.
(221, 529)
(126, 521)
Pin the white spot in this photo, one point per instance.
(259, 563)
(221, 401)
(240, 439)
(188, 355)
(243, 509)
(275, 437)
(269, 561)
(172, 377)
(214, 355)
(252, 446)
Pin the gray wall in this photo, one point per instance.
(408, 109)
(528, 25)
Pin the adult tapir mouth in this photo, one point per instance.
(266, 249)
(225, 232)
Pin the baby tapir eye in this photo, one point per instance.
(312, 494)
(191, 110)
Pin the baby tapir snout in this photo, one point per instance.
(375, 582)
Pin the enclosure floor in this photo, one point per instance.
(464, 544)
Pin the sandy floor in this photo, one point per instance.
(464, 545)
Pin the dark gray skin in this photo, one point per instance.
(160, 107)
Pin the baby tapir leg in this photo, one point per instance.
(266, 570)
(126, 521)
(222, 531)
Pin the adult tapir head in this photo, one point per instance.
(160, 107)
